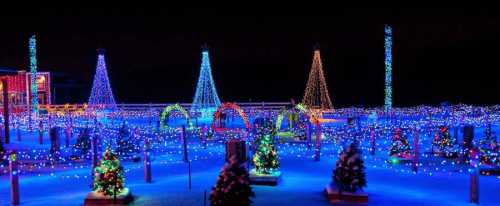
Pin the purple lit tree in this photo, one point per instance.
(101, 97)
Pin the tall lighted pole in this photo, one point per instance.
(388, 67)
(34, 86)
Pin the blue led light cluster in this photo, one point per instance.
(205, 99)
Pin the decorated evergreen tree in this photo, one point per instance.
(265, 158)
(349, 174)
(489, 148)
(108, 178)
(232, 186)
(445, 144)
(400, 146)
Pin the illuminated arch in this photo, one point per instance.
(227, 106)
(166, 113)
(300, 108)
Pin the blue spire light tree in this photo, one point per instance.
(205, 99)
(33, 84)
(388, 67)
(101, 96)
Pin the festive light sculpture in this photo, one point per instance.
(101, 97)
(205, 99)
(165, 115)
(388, 67)
(316, 95)
(33, 67)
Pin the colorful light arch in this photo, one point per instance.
(166, 113)
(228, 106)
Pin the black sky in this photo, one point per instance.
(154, 55)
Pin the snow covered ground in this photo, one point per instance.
(302, 182)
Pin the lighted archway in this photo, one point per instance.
(166, 113)
(283, 112)
(227, 106)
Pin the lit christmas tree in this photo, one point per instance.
(349, 174)
(205, 99)
(316, 95)
(489, 148)
(232, 186)
(400, 146)
(101, 96)
(109, 178)
(445, 144)
(265, 158)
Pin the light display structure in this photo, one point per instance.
(388, 67)
(101, 96)
(316, 94)
(34, 87)
(205, 99)
(167, 111)
(229, 106)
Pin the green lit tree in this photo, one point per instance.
(232, 186)
(108, 176)
(265, 158)
(349, 174)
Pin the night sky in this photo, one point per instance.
(154, 55)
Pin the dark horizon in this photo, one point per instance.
(155, 55)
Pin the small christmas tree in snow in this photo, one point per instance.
(108, 178)
(349, 174)
(445, 144)
(400, 146)
(265, 158)
(489, 148)
(232, 186)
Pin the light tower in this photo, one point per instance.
(205, 99)
(101, 96)
(316, 94)
(388, 67)
(33, 84)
